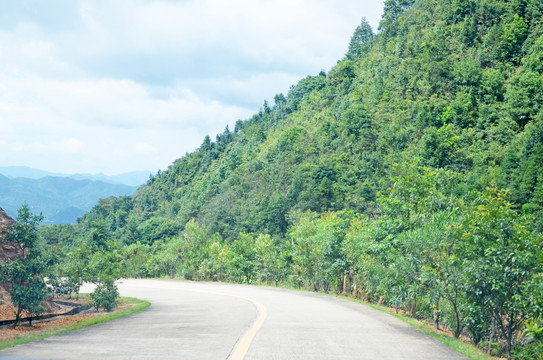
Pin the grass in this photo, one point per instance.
(134, 306)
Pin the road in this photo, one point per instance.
(190, 320)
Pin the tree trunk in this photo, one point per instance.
(492, 334)
(355, 291)
(457, 328)
(437, 313)
(509, 335)
(437, 318)
(413, 307)
(17, 317)
(509, 339)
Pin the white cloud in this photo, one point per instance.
(142, 148)
(71, 145)
(114, 86)
(298, 33)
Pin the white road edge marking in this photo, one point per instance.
(242, 346)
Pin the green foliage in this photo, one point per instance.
(105, 296)
(499, 261)
(530, 351)
(525, 96)
(317, 254)
(269, 267)
(360, 41)
(243, 260)
(513, 35)
(534, 330)
(156, 228)
(441, 147)
(23, 276)
(60, 285)
(393, 9)
(193, 244)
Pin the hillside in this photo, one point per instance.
(410, 174)
(61, 200)
(447, 85)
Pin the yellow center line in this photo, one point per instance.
(242, 346)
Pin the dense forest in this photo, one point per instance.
(410, 174)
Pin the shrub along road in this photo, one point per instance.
(189, 320)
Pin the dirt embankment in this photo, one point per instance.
(7, 251)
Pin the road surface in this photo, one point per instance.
(190, 320)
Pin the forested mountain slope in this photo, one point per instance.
(410, 174)
(445, 84)
(61, 200)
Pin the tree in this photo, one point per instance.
(75, 268)
(156, 228)
(105, 296)
(268, 261)
(317, 253)
(194, 243)
(501, 260)
(360, 41)
(392, 10)
(243, 258)
(23, 275)
(215, 265)
(98, 261)
(135, 257)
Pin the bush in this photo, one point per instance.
(531, 351)
(105, 296)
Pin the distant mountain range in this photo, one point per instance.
(61, 198)
(134, 178)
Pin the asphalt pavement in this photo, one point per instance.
(192, 320)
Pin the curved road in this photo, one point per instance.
(189, 320)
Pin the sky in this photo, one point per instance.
(113, 86)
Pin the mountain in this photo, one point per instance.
(452, 85)
(134, 178)
(26, 172)
(61, 200)
(410, 174)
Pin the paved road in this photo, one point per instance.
(190, 320)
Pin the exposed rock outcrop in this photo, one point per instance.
(5, 220)
(7, 251)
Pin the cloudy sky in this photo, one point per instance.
(112, 86)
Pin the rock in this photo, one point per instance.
(7, 250)
(5, 220)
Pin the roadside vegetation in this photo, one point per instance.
(410, 175)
